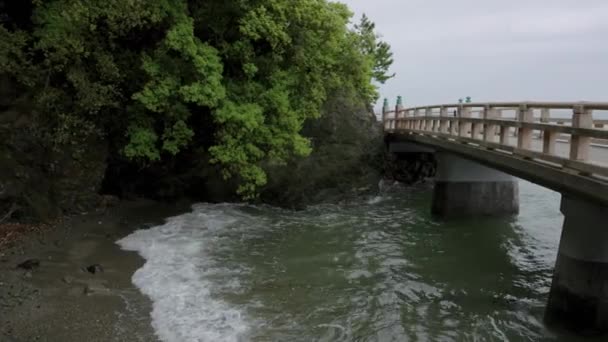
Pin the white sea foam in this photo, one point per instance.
(175, 277)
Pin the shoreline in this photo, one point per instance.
(59, 300)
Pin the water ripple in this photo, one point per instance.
(378, 269)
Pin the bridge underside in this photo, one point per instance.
(475, 181)
(547, 175)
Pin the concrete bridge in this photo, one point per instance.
(481, 147)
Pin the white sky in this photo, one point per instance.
(515, 50)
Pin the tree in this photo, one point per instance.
(379, 51)
(235, 80)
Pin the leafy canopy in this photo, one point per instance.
(236, 79)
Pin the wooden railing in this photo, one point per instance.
(491, 125)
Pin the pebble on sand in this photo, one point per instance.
(29, 264)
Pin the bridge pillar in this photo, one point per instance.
(465, 188)
(578, 299)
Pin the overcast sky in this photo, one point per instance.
(512, 50)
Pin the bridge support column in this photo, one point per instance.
(464, 188)
(578, 299)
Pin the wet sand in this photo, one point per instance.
(61, 301)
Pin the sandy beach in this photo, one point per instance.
(55, 298)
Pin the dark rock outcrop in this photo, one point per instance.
(346, 160)
(42, 180)
(409, 168)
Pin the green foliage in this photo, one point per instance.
(14, 57)
(157, 78)
(371, 46)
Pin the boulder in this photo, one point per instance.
(29, 264)
(94, 269)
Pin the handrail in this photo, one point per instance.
(528, 104)
(492, 130)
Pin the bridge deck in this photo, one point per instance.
(563, 158)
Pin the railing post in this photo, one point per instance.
(489, 129)
(549, 140)
(504, 130)
(545, 115)
(524, 136)
(454, 123)
(549, 137)
(516, 130)
(417, 122)
(580, 145)
(428, 125)
(411, 123)
(477, 126)
(443, 123)
(464, 127)
(398, 109)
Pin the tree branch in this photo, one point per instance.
(11, 211)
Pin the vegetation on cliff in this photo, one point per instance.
(230, 82)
